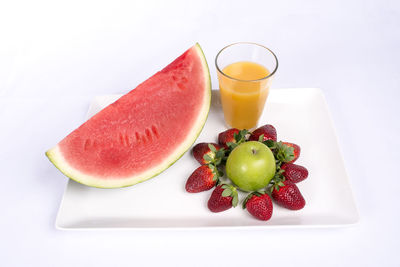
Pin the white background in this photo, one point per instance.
(56, 56)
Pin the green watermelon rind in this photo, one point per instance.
(57, 159)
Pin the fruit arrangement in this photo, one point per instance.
(251, 162)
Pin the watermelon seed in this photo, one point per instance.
(87, 144)
(128, 143)
(148, 134)
(143, 138)
(137, 135)
(155, 132)
(181, 86)
(121, 139)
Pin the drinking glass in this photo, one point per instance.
(245, 71)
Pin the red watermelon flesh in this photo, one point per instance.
(144, 131)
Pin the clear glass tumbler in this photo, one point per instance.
(244, 72)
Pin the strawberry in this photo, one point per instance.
(265, 132)
(294, 173)
(227, 136)
(203, 178)
(231, 138)
(296, 151)
(259, 205)
(287, 194)
(283, 151)
(206, 153)
(222, 198)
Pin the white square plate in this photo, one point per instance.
(299, 115)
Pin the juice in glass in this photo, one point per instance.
(244, 73)
(243, 97)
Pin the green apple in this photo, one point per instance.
(251, 166)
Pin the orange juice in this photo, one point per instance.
(243, 90)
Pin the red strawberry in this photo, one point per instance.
(294, 173)
(227, 136)
(296, 151)
(267, 131)
(203, 178)
(259, 205)
(288, 196)
(204, 154)
(222, 198)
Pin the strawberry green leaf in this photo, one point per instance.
(241, 136)
(235, 200)
(231, 145)
(225, 186)
(235, 197)
(270, 143)
(227, 192)
(236, 136)
(212, 148)
(270, 189)
(246, 199)
(207, 158)
(261, 138)
(283, 153)
(258, 193)
(280, 171)
(212, 167)
(214, 171)
(220, 153)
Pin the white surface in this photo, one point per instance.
(162, 202)
(56, 56)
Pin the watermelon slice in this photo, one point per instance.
(143, 132)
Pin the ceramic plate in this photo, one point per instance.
(300, 116)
